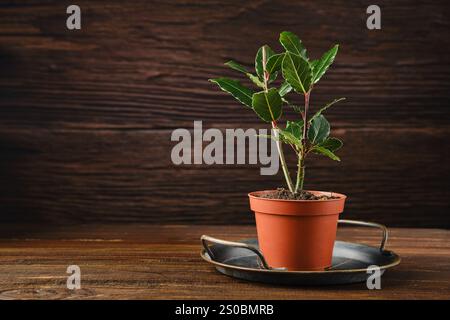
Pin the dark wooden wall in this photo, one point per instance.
(86, 116)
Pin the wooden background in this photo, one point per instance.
(86, 116)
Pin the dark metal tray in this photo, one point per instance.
(243, 260)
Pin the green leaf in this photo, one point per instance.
(259, 60)
(297, 72)
(285, 89)
(325, 152)
(236, 66)
(255, 80)
(284, 137)
(318, 113)
(293, 44)
(267, 105)
(295, 128)
(238, 91)
(319, 130)
(293, 133)
(288, 137)
(331, 144)
(321, 66)
(273, 76)
(274, 63)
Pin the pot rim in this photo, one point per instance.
(340, 196)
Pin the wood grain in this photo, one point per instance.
(65, 176)
(86, 116)
(162, 262)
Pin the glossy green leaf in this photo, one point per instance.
(236, 66)
(321, 66)
(259, 60)
(267, 105)
(238, 91)
(318, 113)
(292, 44)
(293, 133)
(273, 76)
(295, 128)
(325, 152)
(274, 63)
(319, 130)
(331, 144)
(255, 80)
(288, 137)
(285, 89)
(297, 72)
(283, 136)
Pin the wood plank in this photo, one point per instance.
(78, 176)
(151, 71)
(85, 116)
(162, 262)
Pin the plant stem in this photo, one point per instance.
(284, 166)
(265, 74)
(302, 155)
(300, 175)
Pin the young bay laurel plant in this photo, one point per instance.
(299, 76)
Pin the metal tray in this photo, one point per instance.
(243, 260)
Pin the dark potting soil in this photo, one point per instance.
(283, 194)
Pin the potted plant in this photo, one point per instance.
(296, 227)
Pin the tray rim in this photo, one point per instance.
(223, 265)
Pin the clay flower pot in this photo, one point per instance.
(297, 234)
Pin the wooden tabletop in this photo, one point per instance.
(163, 262)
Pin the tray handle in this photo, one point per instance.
(370, 224)
(207, 239)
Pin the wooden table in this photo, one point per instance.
(163, 262)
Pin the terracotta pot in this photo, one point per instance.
(297, 234)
